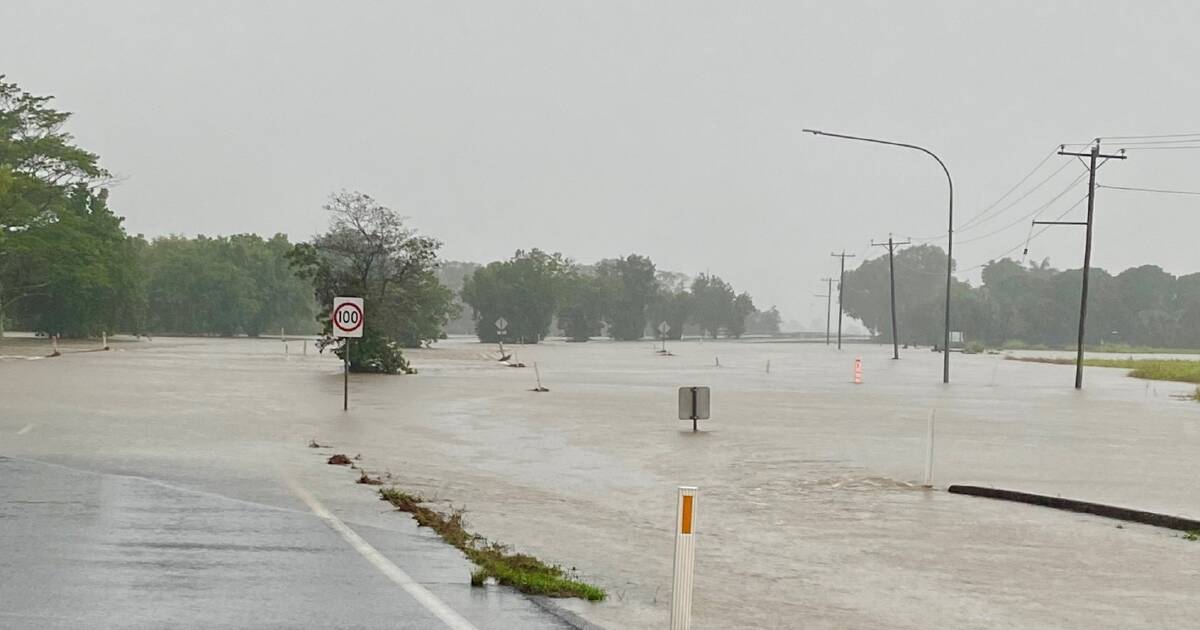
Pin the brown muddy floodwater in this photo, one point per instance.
(809, 513)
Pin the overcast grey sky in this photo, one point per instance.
(604, 128)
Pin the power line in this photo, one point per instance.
(1035, 212)
(974, 220)
(1151, 190)
(1170, 148)
(1033, 235)
(1165, 135)
(1014, 202)
(1010, 190)
(1156, 142)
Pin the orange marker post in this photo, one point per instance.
(685, 558)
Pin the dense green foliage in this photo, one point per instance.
(65, 263)
(526, 290)
(715, 307)
(625, 295)
(231, 285)
(1027, 304)
(628, 285)
(68, 267)
(368, 252)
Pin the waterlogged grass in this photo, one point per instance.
(1179, 370)
(1108, 348)
(521, 571)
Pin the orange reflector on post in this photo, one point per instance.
(686, 526)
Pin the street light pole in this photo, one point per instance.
(949, 231)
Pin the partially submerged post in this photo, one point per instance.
(663, 329)
(685, 558)
(538, 374)
(501, 331)
(929, 451)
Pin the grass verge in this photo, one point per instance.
(1180, 370)
(520, 571)
(1108, 348)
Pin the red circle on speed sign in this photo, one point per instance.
(354, 318)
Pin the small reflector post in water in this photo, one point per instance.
(685, 555)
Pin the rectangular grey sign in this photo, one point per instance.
(693, 403)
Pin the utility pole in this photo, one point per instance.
(841, 279)
(1094, 154)
(891, 245)
(828, 295)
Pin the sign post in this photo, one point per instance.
(685, 558)
(347, 318)
(501, 331)
(663, 329)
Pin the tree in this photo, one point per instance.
(224, 286)
(368, 252)
(51, 203)
(525, 290)
(631, 283)
(582, 306)
(920, 296)
(764, 322)
(712, 304)
(743, 307)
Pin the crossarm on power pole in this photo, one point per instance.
(1092, 156)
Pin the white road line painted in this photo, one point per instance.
(25, 429)
(427, 599)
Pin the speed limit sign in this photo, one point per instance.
(347, 317)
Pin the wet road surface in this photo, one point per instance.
(94, 550)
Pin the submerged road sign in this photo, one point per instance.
(348, 320)
(347, 317)
(501, 325)
(693, 404)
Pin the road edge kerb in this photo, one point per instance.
(569, 617)
(1086, 507)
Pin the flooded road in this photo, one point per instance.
(809, 515)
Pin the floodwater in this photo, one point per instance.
(809, 512)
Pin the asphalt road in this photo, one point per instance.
(82, 549)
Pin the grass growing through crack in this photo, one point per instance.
(521, 571)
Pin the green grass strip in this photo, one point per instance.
(1178, 370)
(520, 571)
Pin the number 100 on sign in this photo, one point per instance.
(347, 317)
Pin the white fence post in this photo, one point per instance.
(685, 558)
(929, 451)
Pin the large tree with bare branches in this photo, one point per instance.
(369, 252)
